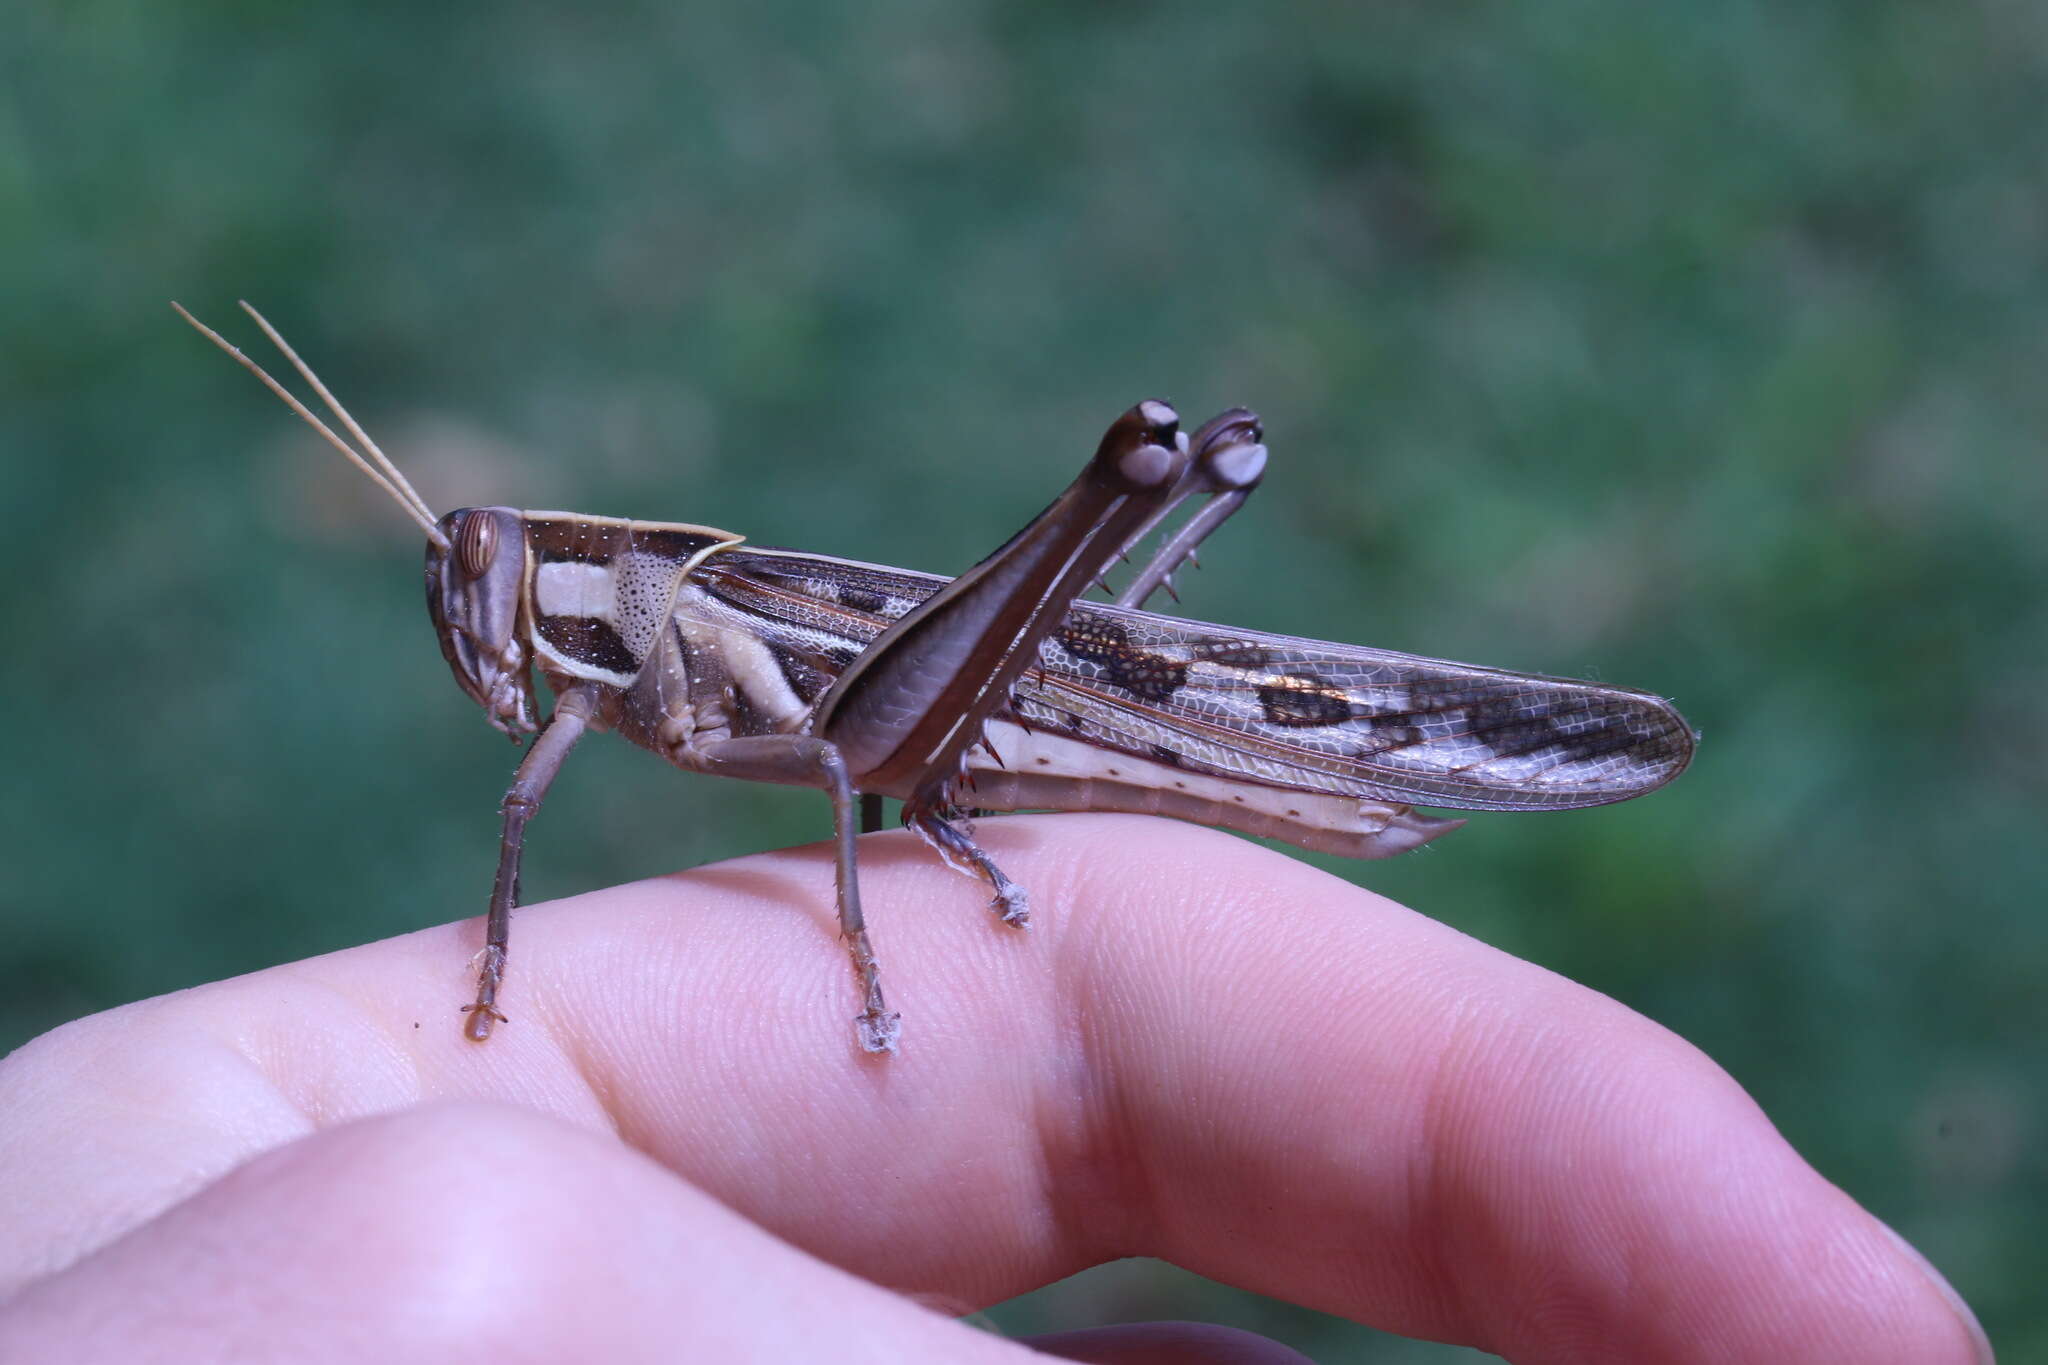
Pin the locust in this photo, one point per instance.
(1003, 689)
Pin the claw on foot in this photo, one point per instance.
(878, 1032)
(481, 1020)
(1013, 905)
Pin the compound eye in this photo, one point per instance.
(476, 544)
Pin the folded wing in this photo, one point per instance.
(1275, 710)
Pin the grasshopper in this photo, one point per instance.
(999, 690)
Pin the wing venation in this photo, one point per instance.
(1274, 709)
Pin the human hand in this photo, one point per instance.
(1202, 1051)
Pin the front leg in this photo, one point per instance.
(573, 710)
(804, 761)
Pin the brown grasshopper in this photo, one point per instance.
(999, 690)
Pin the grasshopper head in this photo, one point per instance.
(476, 574)
(476, 557)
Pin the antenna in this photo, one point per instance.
(383, 472)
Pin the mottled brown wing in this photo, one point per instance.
(1272, 709)
(1343, 718)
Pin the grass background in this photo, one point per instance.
(1695, 346)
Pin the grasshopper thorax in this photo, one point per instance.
(476, 577)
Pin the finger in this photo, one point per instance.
(1204, 1051)
(465, 1232)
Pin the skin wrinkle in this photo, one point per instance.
(1378, 1251)
(1450, 1298)
(280, 1059)
(1075, 1184)
(1212, 950)
(1577, 1319)
(1100, 1167)
(1202, 953)
(1625, 1282)
(605, 1056)
(1073, 1154)
(1155, 1222)
(1481, 1037)
(581, 1052)
(1457, 1207)
(1675, 1311)
(127, 1107)
(802, 896)
(1184, 1225)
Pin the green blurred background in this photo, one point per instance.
(1698, 347)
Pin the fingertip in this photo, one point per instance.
(1980, 1342)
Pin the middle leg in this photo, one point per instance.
(806, 761)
